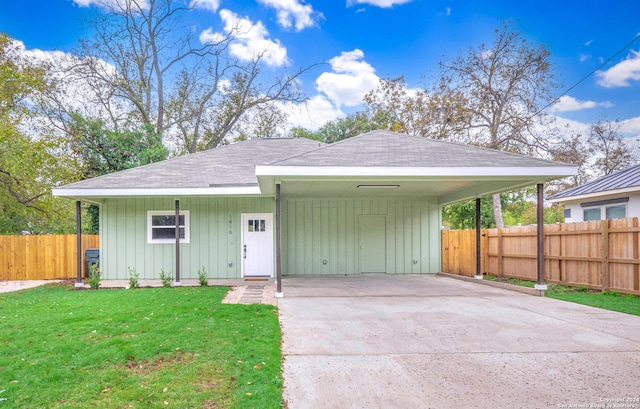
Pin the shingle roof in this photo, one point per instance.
(234, 165)
(390, 149)
(231, 165)
(623, 179)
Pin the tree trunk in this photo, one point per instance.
(497, 211)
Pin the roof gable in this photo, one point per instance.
(624, 179)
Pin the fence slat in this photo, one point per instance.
(600, 254)
(44, 257)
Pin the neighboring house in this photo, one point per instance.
(611, 197)
(368, 204)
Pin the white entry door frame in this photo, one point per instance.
(257, 245)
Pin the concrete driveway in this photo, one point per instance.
(378, 341)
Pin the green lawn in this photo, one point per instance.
(164, 347)
(629, 304)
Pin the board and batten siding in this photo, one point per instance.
(214, 236)
(319, 230)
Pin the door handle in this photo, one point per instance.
(245, 251)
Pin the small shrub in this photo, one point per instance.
(582, 289)
(611, 293)
(133, 278)
(202, 277)
(166, 278)
(94, 276)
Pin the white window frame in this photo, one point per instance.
(151, 213)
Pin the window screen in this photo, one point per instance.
(616, 212)
(592, 214)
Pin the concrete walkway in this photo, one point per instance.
(11, 286)
(377, 341)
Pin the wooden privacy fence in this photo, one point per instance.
(601, 254)
(36, 257)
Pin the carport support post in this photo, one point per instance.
(478, 253)
(79, 283)
(177, 282)
(540, 285)
(278, 258)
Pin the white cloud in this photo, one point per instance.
(378, 3)
(630, 126)
(211, 5)
(584, 57)
(249, 40)
(112, 4)
(567, 103)
(312, 114)
(351, 79)
(208, 36)
(622, 73)
(292, 13)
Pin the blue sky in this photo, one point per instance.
(364, 40)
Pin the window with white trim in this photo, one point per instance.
(161, 226)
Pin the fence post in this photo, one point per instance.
(500, 266)
(636, 267)
(605, 254)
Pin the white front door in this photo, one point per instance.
(257, 245)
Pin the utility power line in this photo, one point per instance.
(589, 74)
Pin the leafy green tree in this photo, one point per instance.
(463, 215)
(102, 151)
(299, 132)
(30, 165)
(347, 127)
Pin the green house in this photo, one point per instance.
(368, 204)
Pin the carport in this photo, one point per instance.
(429, 341)
(372, 203)
(368, 204)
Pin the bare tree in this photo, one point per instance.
(571, 150)
(504, 86)
(421, 112)
(192, 92)
(608, 148)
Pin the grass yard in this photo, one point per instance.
(608, 300)
(152, 348)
